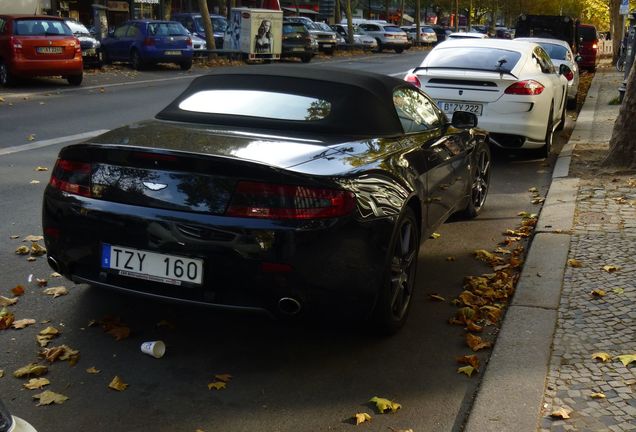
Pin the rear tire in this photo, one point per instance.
(106, 58)
(186, 65)
(544, 151)
(394, 299)
(305, 59)
(572, 102)
(379, 48)
(135, 60)
(399, 50)
(563, 116)
(75, 80)
(6, 78)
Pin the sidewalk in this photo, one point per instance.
(542, 360)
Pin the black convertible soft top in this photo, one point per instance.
(361, 102)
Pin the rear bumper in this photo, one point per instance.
(156, 55)
(26, 67)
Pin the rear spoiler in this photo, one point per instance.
(501, 72)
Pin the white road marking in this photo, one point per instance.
(52, 141)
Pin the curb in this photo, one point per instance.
(512, 389)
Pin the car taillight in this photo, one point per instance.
(149, 41)
(276, 201)
(569, 75)
(78, 47)
(72, 177)
(389, 35)
(594, 45)
(413, 79)
(15, 44)
(527, 87)
(189, 42)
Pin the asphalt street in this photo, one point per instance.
(286, 377)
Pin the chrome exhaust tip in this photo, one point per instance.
(289, 306)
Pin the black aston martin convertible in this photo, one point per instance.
(279, 189)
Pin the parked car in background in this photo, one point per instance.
(324, 35)
(388, 36)
(257, 189)
(38, 45)
(199, 45)
(427, 34)
(91, 47)
(561, 53)
(467, 35)
(297, 42)
(194, 23)
(503, 33)
(588, 47)
(360, 40)
(513, 88)
(146, 42)
(440, 32)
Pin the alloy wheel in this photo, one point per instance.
(403, 264)
(481, 181)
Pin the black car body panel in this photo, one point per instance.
(168, 186)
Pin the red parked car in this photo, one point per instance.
(34, 45)
(588, 48)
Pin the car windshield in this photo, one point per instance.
(477, 58)
(77, 28)
(257, 103)
(219, 24)
(588, 34)
(322, 26)
(393, 29)
(293, 28)
(41, 27)
(166, 29)
(556, 52)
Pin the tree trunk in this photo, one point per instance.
(167, 9)
(616, 27)
(337, 13)
(207, 25)
(417, 21)
(349, 22)
(386, 10)
(622, 145)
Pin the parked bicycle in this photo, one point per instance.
(620, 63)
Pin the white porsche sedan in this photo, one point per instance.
(513, 87)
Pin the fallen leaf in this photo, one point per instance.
(92, 370)
(35, 182)
(467, 370)
(598, 396)
(223, 377)
(598, 293)
(1, 373)
(37, 250)
(48, 397)
(41, 168)
(45, 336)
(62, 353)
(450, 258)
(603, 356)
(533, 189)
(361, 418)
(31, 369)
(13, 237)
(119, 333)
(472, 327)
(117, 384)
(437, 297)
(31, 259)
(33, 238)
(6, 319)
(618, 291)
(41, 282)
(31, 137)
(56, 291)
(476, 343)
(23, 323)
(523, 214)
(561, 413)
(55, 275)
(6, 301)
(574, 263)
(22, 250)
(435, 235)
(217, 385)
(36, 383)
(611, 268)
(384, 405)
(471, 360)
(626, 359)
(18, 290)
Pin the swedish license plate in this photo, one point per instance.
(451, 107)
(49, 50)
(140, 264)
(172, 52)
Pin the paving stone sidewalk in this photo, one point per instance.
(604, 234)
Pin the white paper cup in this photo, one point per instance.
(154, 348)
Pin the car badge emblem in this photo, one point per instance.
(461, 92)
(155, 186)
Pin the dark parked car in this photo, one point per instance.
(32, 46)
(194, 23)
(145, 42)
(297, 42)
(588, 48)
(91, 47)
(324, 35)
(271, 188)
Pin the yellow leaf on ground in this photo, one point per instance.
(23, 323)
(92, 370)
(31, 369)
(466, 370)
(437, 297)
(611, 268)
(31, 259)
(32, 238)
(55, 275)
(561, 413)
(1, 373)
(45, 336)
(435, 235)
(62, 352)
(533, 189)
(56, 291)
(450, 258)
(384, 405)
(217, 385)
(223, 377)
(574, 263)
(618, 291)
(598, 292)
(6, 319)
(31, 137)
(36, 383)
(523, 214)
(471, 360)
(22, 250)
(598, 396)
(50, 331)
(18, 290)
(41, 168)
(476, 343)
(626, 359)
(602, 356)
(472, 327)
(49, 397)
(37, 250)
(6, 301)
(361, 418)
(35, 182)
(117, 384)
(13, 237)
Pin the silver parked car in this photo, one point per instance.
(388, 36)
(360, 40)
(324, 35)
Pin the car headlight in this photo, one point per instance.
(97, 44)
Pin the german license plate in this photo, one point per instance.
(49, 50)
(451, 107)
(89, 52)
(172, 52)
(298, 49)
(326, 46)
(140, 264)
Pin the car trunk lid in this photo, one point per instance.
(472, 86)
(47, 47)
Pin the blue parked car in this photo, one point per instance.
(145, 42)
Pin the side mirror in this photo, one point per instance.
(578, 58)
(564, 70)
(464, 120)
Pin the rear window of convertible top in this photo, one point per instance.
(477, 58)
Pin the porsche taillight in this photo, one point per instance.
(527, 87)
(413, 79)
(72, 177)
(278, 201)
